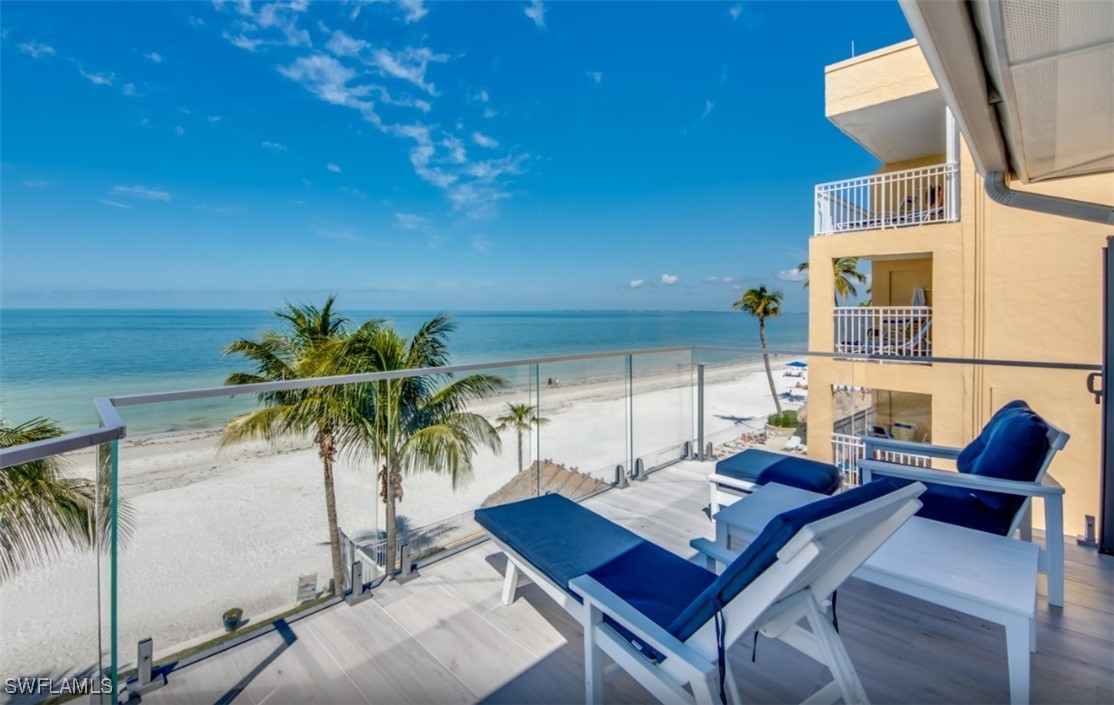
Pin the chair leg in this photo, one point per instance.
(593, 657)
(733, 696)
(706, 691)
(1054, 545)
(510, 582)
(838, 662)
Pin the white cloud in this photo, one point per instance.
(114, 204)
(536, 12)
(273, 146)
(728, 279)
(489, 113)
(142, 193)
(455, 145)
(333, 168)
(214, 118)
(217, 208)
(352, 191)
(482, 97)
(484, 141)
(342, 44)
(409, 65)
(243, 42)
(480, 243)
(736, 288)
(99, 79)
(36, 49)
(596, 76)
(669, 279)
(36, 183)
(179, 130)
(196, 21)
(410, 221)
(792, 275)
(735, 11)
(129, 89)
(635, 283)
(328, 79)
(154, 56)
(711, 280)
(415, 10)
(709, 106)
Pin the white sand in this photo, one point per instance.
(236, 528)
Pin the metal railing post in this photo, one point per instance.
(700, 412)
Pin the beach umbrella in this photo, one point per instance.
(797, 363)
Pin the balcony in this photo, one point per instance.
(896, 331)
(896, 199)
(245, 527)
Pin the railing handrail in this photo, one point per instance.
(113, 427)
(881, 176)
(847, 310)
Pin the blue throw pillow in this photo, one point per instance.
(967, 457)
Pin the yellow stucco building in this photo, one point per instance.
(954, 275)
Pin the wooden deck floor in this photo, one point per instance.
(446, 638)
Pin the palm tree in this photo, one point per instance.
(316, 343)
(420, 422)
(43, 512)
(762, 304)
(846, 270)
(521, 418)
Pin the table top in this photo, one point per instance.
(968, 564)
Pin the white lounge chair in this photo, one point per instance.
(999, 474)
(669, 622)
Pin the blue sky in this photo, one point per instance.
(410, 155)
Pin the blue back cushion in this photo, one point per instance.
(762, 552)
(1012, 446)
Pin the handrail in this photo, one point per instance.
(113, 427)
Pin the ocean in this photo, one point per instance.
(53, 363)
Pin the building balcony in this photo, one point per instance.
(633, 435)
(896, 199)
(896, 331)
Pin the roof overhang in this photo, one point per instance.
(1029, 83)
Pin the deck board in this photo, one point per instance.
(446, 638)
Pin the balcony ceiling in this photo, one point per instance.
(1029, 82)
(899, 130)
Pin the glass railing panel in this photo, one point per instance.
(662, 403)
(584, 443)
(738, 401)
(56, 577)
(477, 451)
(229, 528)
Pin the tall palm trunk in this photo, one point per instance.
(327, 450)
(766, 359)
(521, 467)
(392, 528)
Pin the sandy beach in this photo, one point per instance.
(236, 528)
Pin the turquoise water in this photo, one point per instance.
(55, 362)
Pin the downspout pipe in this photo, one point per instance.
(999, 191)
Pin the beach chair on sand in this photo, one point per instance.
(669, 622)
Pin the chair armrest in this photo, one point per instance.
(713, 550)
(871, 443)
(957, 479)
(621, 612)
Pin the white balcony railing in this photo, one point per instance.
(847, 451)
(896, 199)
(904, 331)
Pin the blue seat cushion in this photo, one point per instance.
(964, 507)
(1012, 446)
(564, 540)
(762, 553)
(557, 536)
(762, 467)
